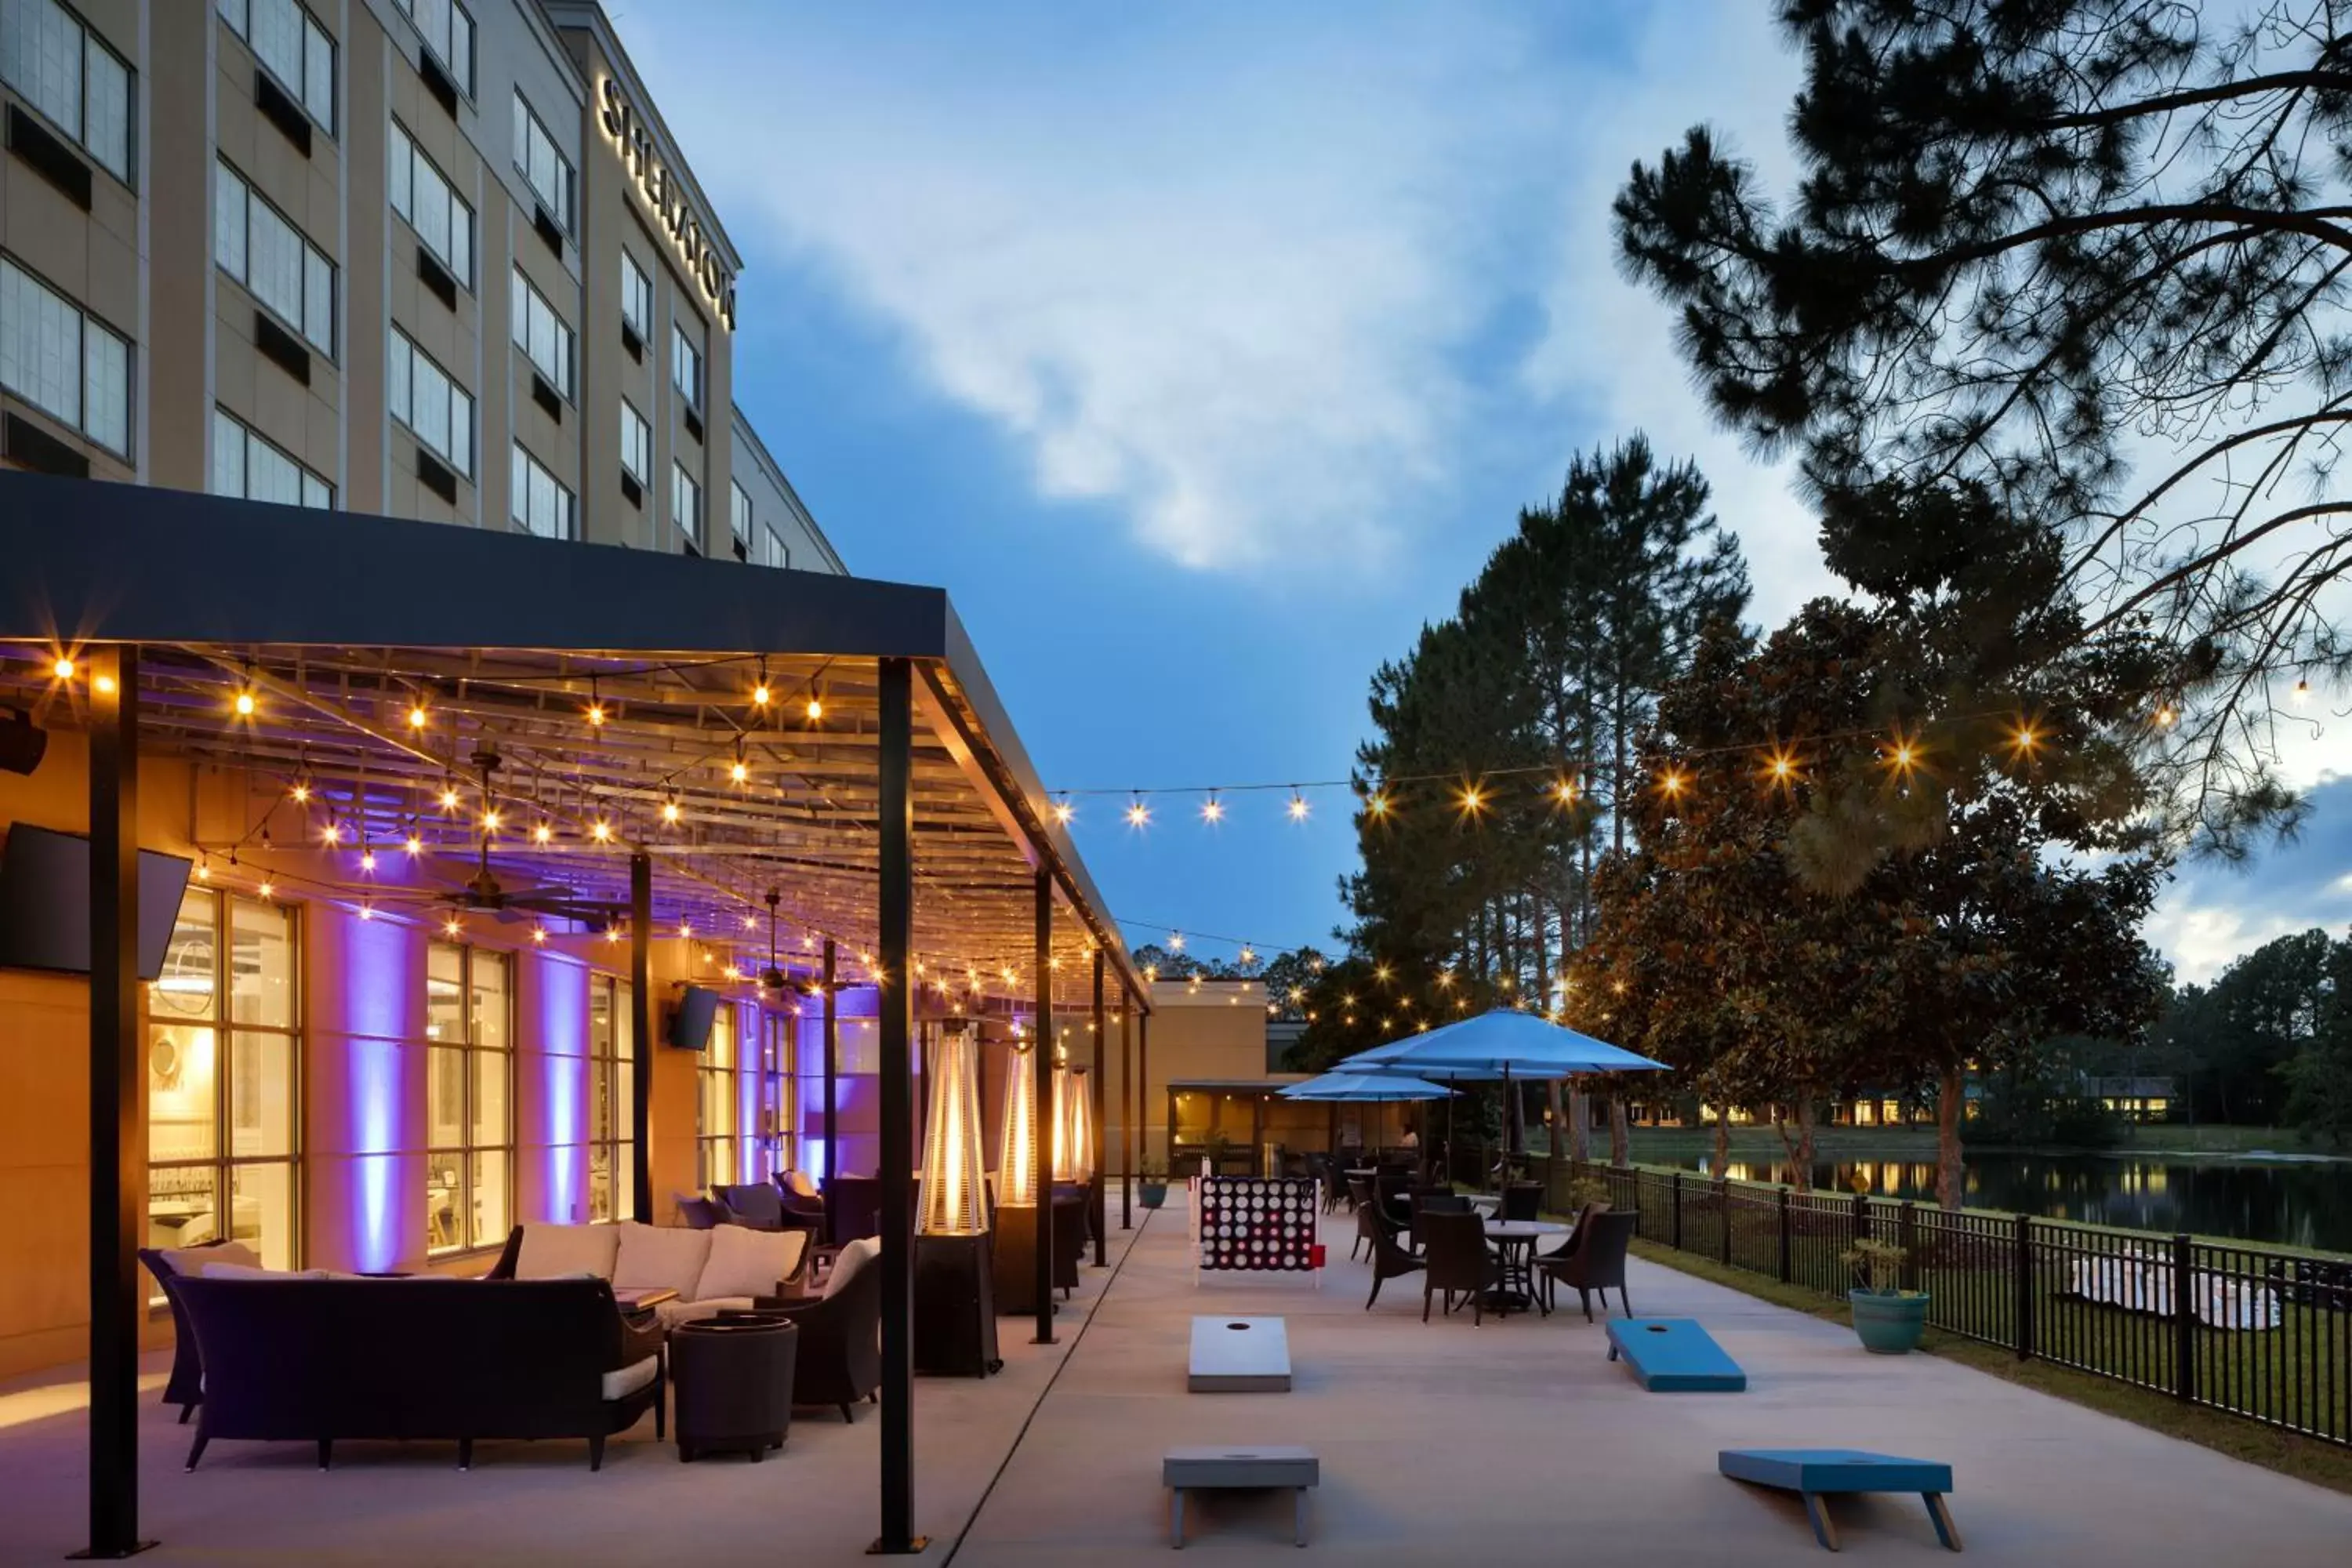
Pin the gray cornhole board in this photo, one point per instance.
(1240, 1356)
(1252, 1468)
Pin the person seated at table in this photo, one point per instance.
(1411, 1141)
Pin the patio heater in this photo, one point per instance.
(955, 1307)
(1015, 1250)
(1075, 1154)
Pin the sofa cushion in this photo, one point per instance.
(666, 1258)
(797, 1182)
(745, 1262)
(552, 1251)
(857, 1255)
(622, 1380)
(219, 1270)
(192, 1259)
(670, 1314)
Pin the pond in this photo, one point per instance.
(2301, 1203)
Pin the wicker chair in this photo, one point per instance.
(1594, 1260)
(839, 1362)
(1389, 1261)
(1457, 1262)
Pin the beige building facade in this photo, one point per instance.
(420, 257)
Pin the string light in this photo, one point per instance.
(686, 929)
(333, 833)
(2165, 717)
(452, 926)
(203, 870)
(490, 820)
(449, 798)
(1212, 810)
(63, 669)
(1472, 800)
(741, 770)
(417, 717)
(671, 809)
(539, 936)
(1137, 814)
(300, 792)
(1780, 767)
(1064, 811)
(1176, 942)
(2302, 693)
(1565, 791)
(759, 693)
(1903, 756)
(367, 861)
(1297, 805)
(612, 933)
(243, 702)
(542, 832)
(103, 686)
(1378, 804)
(596, 713)
(601, 831)
(1670, 782)
(815, 709)
(415, 844)
(367, 911)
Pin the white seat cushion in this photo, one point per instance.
(853, 1256)
(551, 1251)
(672, 1313)
(745, 1262)
(622, 1380)
(797, 1182)
(242, 1271)
(192, 1259)
(666, 1258)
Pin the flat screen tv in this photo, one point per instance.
(689, 1021)
(45, 901)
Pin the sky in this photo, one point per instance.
(1203, 352)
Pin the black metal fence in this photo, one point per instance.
(2256, 1332)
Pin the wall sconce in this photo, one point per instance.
(954, 1197)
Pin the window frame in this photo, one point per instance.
(79, 422)
(636, 282)
(239, 15)
(526, 465)
(403, 342)
(693, 531)
(403, 136)
(742, 521)
(612, 1066)
(564, 209)
(127, 176)
(683, 351)
(227, 172)
(222, 1163)
(462, 79)
(633, 423)
(720, 1083)
(305, 475)
(468, 1149)
(525, 295)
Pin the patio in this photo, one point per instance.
(1512, 1440)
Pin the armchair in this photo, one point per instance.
(1389, 1261)
(1457, 1262)
(1594, 1260)
(840, 1356)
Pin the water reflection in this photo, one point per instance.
(2304, 1203)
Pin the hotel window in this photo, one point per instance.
(62, 362)
(79, 85)
(686, 367)
(292, 48)
(739, 515)
(255, 244)
(543, 164)
(469, 1097)
(612, 1089)
(437, 410)
(542, 334)
(636, 298)
(715, 1114)
(772, 550)
(778, 1095)
(224, 1080)
(448, 32)
(542, 504)
(637, 444)
(686, 504)
(248, 467)
(423, 194)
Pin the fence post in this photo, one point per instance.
(1860, 1226)
(1723, 1207)
(2022, 1270)
(2184, 1318)
(1677, 1232)
(1907, 1236)
(1783, 1206)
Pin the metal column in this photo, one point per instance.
(641, 1036)
(832, 1096)
(895, 904)
(116, 1151)
(1129, 1099)
(1040, 1103)
(1102, 1036)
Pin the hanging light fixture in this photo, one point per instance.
(955, 1195)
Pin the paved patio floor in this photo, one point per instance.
(1441, 1445)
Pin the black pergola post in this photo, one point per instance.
(114, 1057)
(894, 906)
(1041, 1108)
(1127, 1100)
(832, 1095)
(641, 1036)
(1102, 1036)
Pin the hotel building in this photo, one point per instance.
(438, 260)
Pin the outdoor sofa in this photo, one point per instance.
(727, 1267)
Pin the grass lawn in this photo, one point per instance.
(1680, 1144)
(2323, 1464)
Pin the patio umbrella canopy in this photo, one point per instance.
(1359, 1086)
(1505, 1043)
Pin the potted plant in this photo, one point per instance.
(1153, 1185)
(1888, 1319)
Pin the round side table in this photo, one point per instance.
(731, 1384)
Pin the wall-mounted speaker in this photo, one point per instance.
(23, 743)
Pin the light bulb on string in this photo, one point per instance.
(414, 844)
(2302, 693)
(449, 797)
(1175, 942)
(367, 911)
(739, 771)
(1064, 811)
(490, 819)
(244, 703)
(1297, 807)
(1564, 792)
(417, 717)
(367, 861)
(333, 833)
(453, 926)
(670, 810)
(601, 831)
(1376, 803)
(63, 669)
(542, 832)
(1138, 815)
(539, 936)
(268, 889)
(815, 708)
(1472, 799)
(1212, 810)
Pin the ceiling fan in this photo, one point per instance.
(483, 892)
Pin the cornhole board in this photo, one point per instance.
(1673, 1355)
(1240, 1356)
(1813, 1472)
(1239, 1470)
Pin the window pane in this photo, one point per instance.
(490, 999)
(398, 360)
(316, 491)
(106, 388)
(431, 416)
(518, 487)
(461, 431)
(228, 456)
(461, 241)
(41, 345)
(491, 1222)
(261, 1094)
(445, 1020)
(107, 134)
(261, 963)
(41, 55)
(319, 302)
(277, 40)
(183, 1091)
(444, 1096)
(491, 1123)
(183, 1206)
(319, 74)
(460, 57)
(270, 475)
(228, 222)
(443, 1193)
(403, 175)
(263, 1211)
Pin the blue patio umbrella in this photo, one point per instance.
(1366, 1086)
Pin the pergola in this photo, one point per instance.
(602, 741)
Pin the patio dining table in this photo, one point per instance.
(1515, 1240)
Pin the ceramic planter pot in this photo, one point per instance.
(1889, 1325)
(1154, 1194)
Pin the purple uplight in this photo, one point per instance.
(379, 997)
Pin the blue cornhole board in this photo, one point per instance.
(1811, 1472)
(1673, 1355)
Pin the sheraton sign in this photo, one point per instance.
(665, 193)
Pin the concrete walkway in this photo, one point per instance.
(1443, 1447)
(1446, 1445)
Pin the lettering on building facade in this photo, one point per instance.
(665, 193)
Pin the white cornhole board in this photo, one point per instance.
(1240, 1356)
(1238, 1469)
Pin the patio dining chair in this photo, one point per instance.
(1595, 1262)
(1521, 1200)
(1455, 1250)
(1431, 1200)
(1389, 1261)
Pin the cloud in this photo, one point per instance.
(2213, 913)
